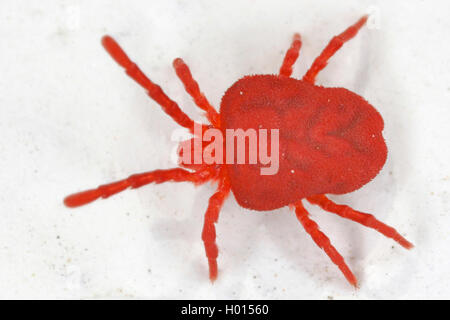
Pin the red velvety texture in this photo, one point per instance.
(330, 139)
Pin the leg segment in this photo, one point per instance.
(209, 230)
(323, 242)
(136, 181)
(334, 45)
(193, 89)
(365, 219)
(154, 91)
(291, 56)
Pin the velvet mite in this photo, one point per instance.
(330, 142)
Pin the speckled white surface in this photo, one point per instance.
(70, 119)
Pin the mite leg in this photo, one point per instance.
(291, 56)
(365, 219)
(193, 90)
(136, 181)
(323, 242)
(209, 230)
(154, 91)
(334, 45)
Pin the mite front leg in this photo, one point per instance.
(365, 219)
(334, 45)
(154, 91)
(291, 56)
(137, 181)
(323, 242)
(192, 88)
(209, 230)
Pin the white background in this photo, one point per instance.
(70, 119)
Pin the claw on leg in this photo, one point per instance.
(209, 230)
(324, 243)
(365, 219)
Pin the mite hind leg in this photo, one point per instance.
(323, 242)
(334, 45)
(365, 219)
(291, 56)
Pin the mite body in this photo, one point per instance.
(330, 142)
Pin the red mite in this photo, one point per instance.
(330, 142)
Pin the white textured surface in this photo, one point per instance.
(70, 119)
